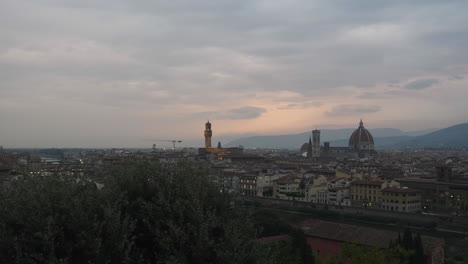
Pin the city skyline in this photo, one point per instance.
(116, 73)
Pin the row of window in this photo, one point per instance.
(364, 191)
(249, 187)
(403, 208)
(368, 186)
(365, 197)
(404, 194)
(248, 181)
(403, 202)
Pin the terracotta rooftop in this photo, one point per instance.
(337, 189)
(359, 235)
(287, 179)
(271, 239)
(320, 171)
(400, 190)
(367, 182)
(361, 136)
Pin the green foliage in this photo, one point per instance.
(146, 213)
(456, 252)
(407, 241)
(301, 247)
(418, 257)
(411, 244)
(352, 254)
(292, 250)
(267, 224)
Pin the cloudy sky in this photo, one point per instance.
(103, 73)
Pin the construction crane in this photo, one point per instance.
(174, 141)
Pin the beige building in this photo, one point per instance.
(265, 184)
(288, 188)
(368, 193)
(299, 188)
(401, 199)
(337, 195)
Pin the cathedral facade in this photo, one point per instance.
(360, 144)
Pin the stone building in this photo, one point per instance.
(337, 195)
(368, 193)
(401, 199)
(248, 184)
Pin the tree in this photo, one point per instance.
(412, 245)
(407, 241)
(418, 257)
(294, 250)
(353, 254)
(147, 212)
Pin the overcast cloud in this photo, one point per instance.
(112, 73)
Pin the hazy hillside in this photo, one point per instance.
(451, 137)
(295, 141)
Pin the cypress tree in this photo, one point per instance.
(418, 257)
(407, 242)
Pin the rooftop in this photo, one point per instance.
(360, 235)
(367, 182)
(400, 190)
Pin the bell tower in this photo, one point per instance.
(315, 143)
(208, 134)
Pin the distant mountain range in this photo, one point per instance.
(451, 137)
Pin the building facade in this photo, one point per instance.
(368, 193)
(404, 199)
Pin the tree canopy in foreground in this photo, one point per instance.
(145, 213)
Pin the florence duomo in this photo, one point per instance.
(361, 144)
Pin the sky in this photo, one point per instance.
(119, 73)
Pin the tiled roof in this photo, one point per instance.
(287, 179)
(337, 189)
(271, 239)
(367, 182)
(359, 235)
(320, 171)
(400, 190)
(361, 136)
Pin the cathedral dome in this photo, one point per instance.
(361, 139)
